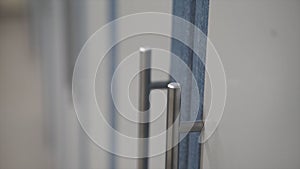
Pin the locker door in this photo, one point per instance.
(258, 42)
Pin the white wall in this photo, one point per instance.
(258, 42)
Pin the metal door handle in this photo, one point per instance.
(173, 110)
(173, 113)
(144, 105)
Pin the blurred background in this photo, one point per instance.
(39, 43)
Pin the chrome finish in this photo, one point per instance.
(173, 110)
(144, 105)
(175, 127)
(159, 85)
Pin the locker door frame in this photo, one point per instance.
(196, 12)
